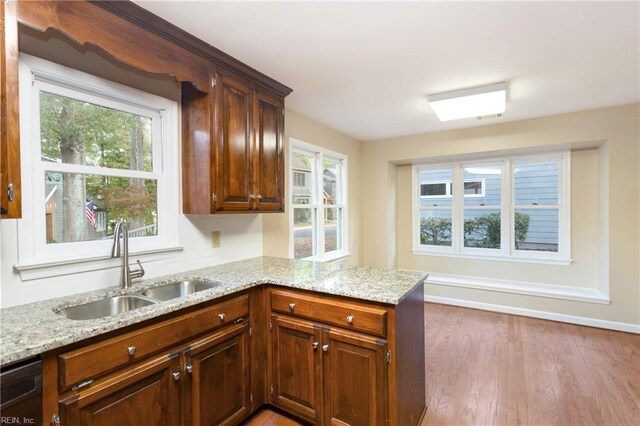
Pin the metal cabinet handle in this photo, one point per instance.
(189, 368)
(131, 350)
(315, 345)
(259, 197)
(252, 196)
(350, 319)
(10, 192)
(176, 375)
(325, 348)
(292, 306)
(82, 385)
(222, 316)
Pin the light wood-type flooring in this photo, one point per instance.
(486, 368)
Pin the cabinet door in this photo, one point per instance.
(10, 199)
(219, 379)
(268, 164)
(296, 367)
(147, 394)
(355, 379)
(233, 124)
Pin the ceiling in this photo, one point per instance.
(365, 68)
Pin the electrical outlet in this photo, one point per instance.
(215, 239)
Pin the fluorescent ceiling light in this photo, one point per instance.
(474, 102)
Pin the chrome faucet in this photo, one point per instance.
(120, 230)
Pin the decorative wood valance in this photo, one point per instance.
(87, 23)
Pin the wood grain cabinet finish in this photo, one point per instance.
(233, 156)
(233, 140)
(218, 378)
(135, 37)
(355, 379)
(349, 315)
(268, 170)
(147, 394)
(10, 204)
(328, 376)
(217, 364)
(296, 367)
(95, 360)
(159, 374)
(367, 358)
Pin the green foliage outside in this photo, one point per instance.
(435, 231)
(482, 231)
(78, 132)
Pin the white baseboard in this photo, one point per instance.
(591, 322)
(581, 294)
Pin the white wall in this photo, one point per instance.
(277, 235)
(241, 238)
(241, 235)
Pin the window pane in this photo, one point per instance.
(77, 132)
(536, 229)
(482, 228)
(536, 183)
(333, 229)
(304, 234)
(85, 207)
(302, 165)
(435, 187)
(331, 175)
(482, 185)
(435, 227)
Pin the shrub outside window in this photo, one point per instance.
(513, 208)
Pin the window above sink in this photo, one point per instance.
(93, 151)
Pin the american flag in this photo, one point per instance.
(91, 213)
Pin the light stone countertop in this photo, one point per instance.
(34, 328)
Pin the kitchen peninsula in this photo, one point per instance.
(324, 342)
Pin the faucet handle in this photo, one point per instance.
(139, 273)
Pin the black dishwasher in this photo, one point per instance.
(21, 394)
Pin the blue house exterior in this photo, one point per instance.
(535, 186)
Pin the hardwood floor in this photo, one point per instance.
(488, 368)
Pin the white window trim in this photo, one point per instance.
(319, 153)
(449, 188)
(36, 74)
(507, 251)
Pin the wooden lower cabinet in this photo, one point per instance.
(328, 376)
(218, 364)
(355, 379)
(147, 394)
(296, 367)
(218, 381)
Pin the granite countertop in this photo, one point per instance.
(34, 328)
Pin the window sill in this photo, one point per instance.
(56, 268)
(334, 257)
(558, 261)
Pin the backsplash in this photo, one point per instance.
(241, 238)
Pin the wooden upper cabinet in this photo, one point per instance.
(269, 155)
(10, 188)
(233, 141)
(240, 168)
(219, 165)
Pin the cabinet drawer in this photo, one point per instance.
(99, 358)
(348, 315)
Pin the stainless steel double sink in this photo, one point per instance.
(120, 304)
